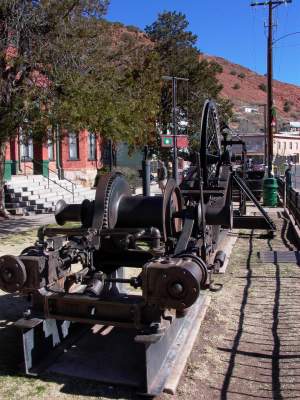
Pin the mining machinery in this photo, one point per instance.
(137, 264)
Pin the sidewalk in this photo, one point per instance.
(21, 224)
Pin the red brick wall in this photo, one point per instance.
(14, 149)
(83, 162)
(7, 152)
(41, 153)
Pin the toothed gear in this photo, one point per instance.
(110, 189)
(105, 221)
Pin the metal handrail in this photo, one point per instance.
(49, 179)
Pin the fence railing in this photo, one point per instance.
(49, 170)
(290, 198)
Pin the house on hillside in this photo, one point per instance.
(250, 110)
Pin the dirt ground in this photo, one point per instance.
(248, 346)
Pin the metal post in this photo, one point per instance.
(284, 193)
(265, 133)
(174, 123)
(203, 221)
(174, 80)
(19, 152)
(58, 159)
(243, 198)
(73, 192)
(110, 155)
(146, 172)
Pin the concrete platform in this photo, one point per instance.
(112, 355)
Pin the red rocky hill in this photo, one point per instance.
(247, 88)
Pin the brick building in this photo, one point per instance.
(73, 156)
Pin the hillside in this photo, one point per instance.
(244, 88)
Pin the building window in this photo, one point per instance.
(284, 145)
(92, 146)
(279, 145)
(50, 150)
(26, 147)
(73, 146)
(50, 144)
(291, 145)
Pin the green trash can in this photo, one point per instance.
(270, 189)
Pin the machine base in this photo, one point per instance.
(116, 356)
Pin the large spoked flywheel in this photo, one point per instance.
(210, 144)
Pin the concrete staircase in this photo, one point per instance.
(33, 194)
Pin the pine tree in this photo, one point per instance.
(180, 57)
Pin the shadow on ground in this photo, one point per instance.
(14, 225)
(11, 359)
(264, 352)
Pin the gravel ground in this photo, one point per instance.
(248, 346)
(249, 343)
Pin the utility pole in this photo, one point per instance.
(270, 112)
(270, 90)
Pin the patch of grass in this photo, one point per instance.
(40, 389)
(31, 234)
(15, 239)
(67, 225)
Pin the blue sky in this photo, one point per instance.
(227, 28)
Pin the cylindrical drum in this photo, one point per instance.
(270, 189)
(140, 212)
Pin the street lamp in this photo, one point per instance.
(174, 80)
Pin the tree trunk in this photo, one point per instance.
(3, 212)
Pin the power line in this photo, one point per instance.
(285, 36)
(286, 45)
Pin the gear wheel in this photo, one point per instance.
(110, 189)
(105, 221)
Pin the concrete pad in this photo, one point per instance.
(182, 356)
(227, 244)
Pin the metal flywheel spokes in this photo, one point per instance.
(210, 145)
